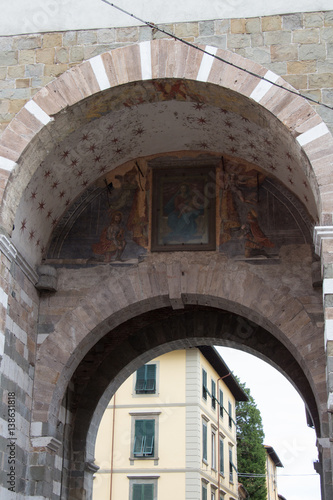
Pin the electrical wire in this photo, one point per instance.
(172, 35)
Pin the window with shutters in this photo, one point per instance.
(144, 435)
(144, 438)
(213, 395)
(231, 467)
(204, 492)
(204, 441)
(143, 489)
(221, 403)
(213, 450)
(230, 414)
(146, 379)
(221, 457)
(204, 384)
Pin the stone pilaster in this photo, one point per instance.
(323, 240)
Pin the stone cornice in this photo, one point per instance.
(13, 255)
(321, 233)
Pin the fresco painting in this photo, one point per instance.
(225, 206)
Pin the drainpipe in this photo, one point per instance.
(112, 443)
(218, 437)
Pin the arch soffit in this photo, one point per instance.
(41, 124)
(148, 288)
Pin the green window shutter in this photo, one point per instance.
(148, 492)
(139, 438)
(143, 491)
(231, 475)
(230, 414)
(221, 403)
(146, 379)
(151, 379)
(140, 380)
(221, 457)
(137, 491)
(213, 394)
(204, 492)
(150, 436)
(204, 384)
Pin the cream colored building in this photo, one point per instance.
(165, 435)
(272, 462)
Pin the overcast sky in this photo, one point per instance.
(283, 414)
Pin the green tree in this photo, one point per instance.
(251, 454)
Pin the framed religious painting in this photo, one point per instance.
(183, 209)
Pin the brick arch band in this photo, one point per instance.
(26, 140)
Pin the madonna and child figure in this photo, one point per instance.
(182, 211)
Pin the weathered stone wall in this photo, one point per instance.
(19, 312)
(299, 47)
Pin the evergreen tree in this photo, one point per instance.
(251, 454)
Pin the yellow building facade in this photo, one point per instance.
(272, 462)
(170, 431)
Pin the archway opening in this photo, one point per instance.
(118, 354)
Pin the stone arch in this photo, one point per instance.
(156, 287)
(156, 307)
(40, 124)
(55, 112)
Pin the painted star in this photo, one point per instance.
(47, 174)
(92, 148)
(32, 234)
(41, 205)
(118, 151)
(231, 138)
(23, 225)
(55, 185)
(85, 137)
(139, 131)
(65, 154)
(102, 169)
(74, 162)
(62, 194)
(228, 123)
(79, 173)
(115, 140)
(97, 158)
(202, 120)
(291, 181)
(198, 105)
(33, 195)
(203, 145)
(49, 213)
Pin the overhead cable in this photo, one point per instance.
(179, 39)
